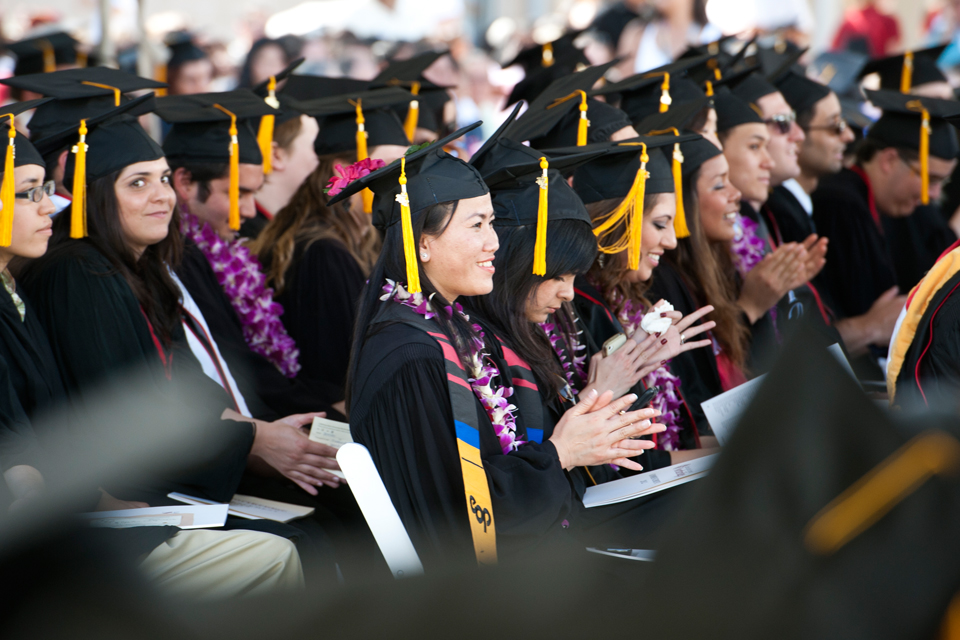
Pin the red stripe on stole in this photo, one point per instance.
(453, 378)
(513, 359)
(520, 382)
(448, 351)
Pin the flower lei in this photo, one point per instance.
(748, 249)
(364, 167)
(238, 272)
(482, 369)
(575, 365)
(667, 402)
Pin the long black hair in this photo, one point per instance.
(391, 264)
(571, 249)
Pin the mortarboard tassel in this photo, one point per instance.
(665, 99)
(925, 157)
(708, 86)
(406, 226)
(8, 189)
(78, 208)
(680, 220)
(413, 114)
(546, 58)
(49, 56)
(234, 220)
(116, 91)
(540, 248)
(584, 123)
(82, 59)
(714, 66)
(366, 194)
(160, 75)
(630, 211)
(906, 75)
(267, 122)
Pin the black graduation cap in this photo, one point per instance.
(679, 116)
(17, 152)
(410, 184)
(405, 72)
(604, 119)
(425, 110)
(715, 67)
(918, 123)
(563, 95)
(907, 70)
(430, 103)
(710, 49)
(42, 53)
(696, 151)
(752, 87)
(732, 111)
(655, 91)
(839, 70)
(289, 109)
(103, 144)
(549, 54)
(182, 49)
(215, 128)
(800, 91)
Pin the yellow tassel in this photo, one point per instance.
(160, 75)
(680, 220)
(717, 74)
(267, 124)
(361, 139)
(925, 158)
(49, 56)
(584, 123)
(413, 114)
(709, 89)
(116, 91)
(8, 189)
(630, 213)
(82, 59)
(547, 55)
(665, 99)
(78, 208)
(234, 219)
(540, 248)
(406, 225)
(906, 75)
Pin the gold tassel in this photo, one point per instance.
(680, 220)
(406, 225)
(717, 74)
(234, 220)
(82, 59)
(267, 123)
(906, 75)
(547, 55)
(78, 208)
(709, 89)
(116, 91)
(925, 158)
(413, 114)
(49, 56)
(584, 124)
(540, 248)
(665, 99)
(160, 75)
(8, 189)
(366, 194)
(630, 212)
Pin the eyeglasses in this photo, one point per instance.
(915, 170)
(36, 194)
(837, 128)
(782, 122)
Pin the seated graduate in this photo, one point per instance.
(524, 297)
(893, 174)
(316, 255)
(188, 563)
(216, 173)
(428, 392)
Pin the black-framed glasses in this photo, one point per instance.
(36, 194)
(782, 122)
(914, 166)
(837, 128)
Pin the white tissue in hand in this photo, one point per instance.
(652, 322)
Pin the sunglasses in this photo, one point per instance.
(782, 122)
(36, 194)
(837, 128)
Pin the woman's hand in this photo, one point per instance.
(286, 447)
(771, 279)
(621, 370)
(677, 339)
(26, 485)
(597, 431)
(109, 503)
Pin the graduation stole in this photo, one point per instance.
(466, 422)
(526, 393)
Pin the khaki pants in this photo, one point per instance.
(202, 563)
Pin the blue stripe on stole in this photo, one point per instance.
(535, 435)
(468, 434)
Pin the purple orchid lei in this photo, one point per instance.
(748, 250)
(482, 369)
(238, 272)
(667, 402)
(575, 365)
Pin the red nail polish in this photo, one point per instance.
(664, 341)
(663, 315)
(657, 334)
(663, 362)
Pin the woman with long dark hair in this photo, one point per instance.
(428, 392)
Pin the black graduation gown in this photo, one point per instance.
(269, 394)
(400, 410)
(697, 369)
(99, 336)
(323, 285)
(916, 241)
(859, 265)
(794, 223)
